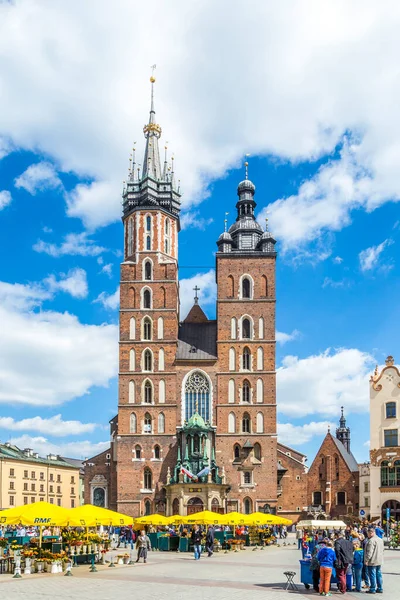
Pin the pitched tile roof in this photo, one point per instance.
(347, 456)
(197, 341)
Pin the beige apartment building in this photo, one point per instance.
(26, 477)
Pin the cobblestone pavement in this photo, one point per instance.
(250, 574)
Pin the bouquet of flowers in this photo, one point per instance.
(3, 542)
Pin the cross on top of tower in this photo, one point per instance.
(196, 298)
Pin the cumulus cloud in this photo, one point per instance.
(37, 178)
(283, 338)
(80, 449)
(370, 257)
(107, 269)
(5, 199)
(320, 384)
(74, 244)
(296, 107)
(61, 357)
(337, 260)
(74, 283)
(207, 294)
(194, 220)
(338, 283)
(54, 425)
(301, 434)
(109, 301)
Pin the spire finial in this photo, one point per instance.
(246, 166)
(196, 298)
(152, 81)
(341, 408)
(226, 222)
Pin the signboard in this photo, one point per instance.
(362, 513)
(388, 514)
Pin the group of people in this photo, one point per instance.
(360, 553)
(197, 537)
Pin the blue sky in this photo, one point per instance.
(325, 172)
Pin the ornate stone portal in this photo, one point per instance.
(196, 482)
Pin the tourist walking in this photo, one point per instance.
(142, 546)
(196, 541)
(374, 561)
(344, 558)
(299, 537)
(326, 558)
(210, 540)
(358, 563)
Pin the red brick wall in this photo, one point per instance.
(292, 491)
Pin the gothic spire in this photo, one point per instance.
(152, 133)
(343, 432)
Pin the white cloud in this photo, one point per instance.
(74, 283)
(301, 434)
(5, 147)
(109, 301)
(337, 260)
(367, 444)
(296, 106)
(5, 199)
(54, 425)
(80, 449)
(74, 244)
(46, 229)
(369, 258)
(107, 269)
(47, 358)
(194, 220)
(207, 293)
(283, 338)
(320, 384)
(37, 178)
(340, 283)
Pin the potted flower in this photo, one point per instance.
(120, 558)
(3, 545)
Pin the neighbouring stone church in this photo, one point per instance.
(196, 423)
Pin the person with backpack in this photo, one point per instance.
(344, 558)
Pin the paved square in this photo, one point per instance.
(247, 574)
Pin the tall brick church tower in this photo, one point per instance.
(196, 424)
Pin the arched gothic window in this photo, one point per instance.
(148, 393)
(197, 394)
(246, 359)
(231, 423)
(147, 508)
(260, 423)
(157, 454)
(138, 452)
(246, 391)
(132, 328)
(132, 425)
(147, 423)
(130, 237)
(147, 479)
(246, 428)
(148, 242)
(147, 361)
(161, 423)
(231, 287)
(246, 329)
(146, 299)
(147, 328)
(148, 223)
(257, 451)
(231, 390)
(131, 392)
(247, 505)
(147, 270)
(236, 451)
(246, 288)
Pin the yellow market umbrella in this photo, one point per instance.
(267, 519)
(204, 517)
(234, 518)
(39, 514)
(155, 519)
(88, 515)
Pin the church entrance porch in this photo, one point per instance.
(194, 505)
(187, 498)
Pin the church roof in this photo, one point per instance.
(196, 315)
(197, 340)
(347, 456)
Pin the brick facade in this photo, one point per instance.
(293, 481)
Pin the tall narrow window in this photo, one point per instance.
(131, 392)
(138, 452)
(132, 360)
(161, 391)
(147, 423)
(247, 505)
(148, 393)
(260, 423)
(130, 237)
(161, 359)
(246, 359)
(230, 287)
(232, 359)
(233, 328)
(246, 288)
(132, 424)
(231, 391)
(148, 242)
(132, 328)
(231, 423)
(146, 299)
(161, 423)
(166, 226)
(147, 479)
(160, 328)
(147, 270)
(260, 359)
(147, 360)
(148, 223)
(236, 452)
(257, 451)
(391, 410)
(261, 328)
(163, 297)
(132, 297)
(260, 390)
(264, 286)
(157, 453)
(246, 329)
(147, 328)
(246, 423)
(246, 391)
